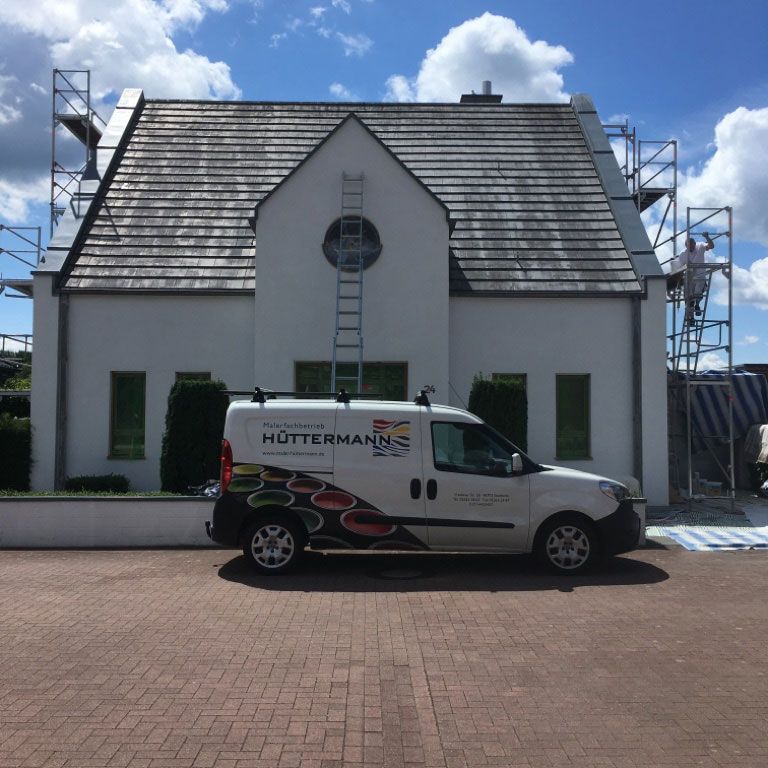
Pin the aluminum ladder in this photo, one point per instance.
(348, 336)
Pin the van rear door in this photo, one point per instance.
(378, 460)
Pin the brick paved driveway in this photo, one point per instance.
(181, 658)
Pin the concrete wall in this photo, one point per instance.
(99, 522)
(542, 337)
(157, 334)
(405, 305)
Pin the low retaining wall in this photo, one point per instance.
(98, 521)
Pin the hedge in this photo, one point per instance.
(194, 425)
(503, 404)
(97, 484)
(15, 452)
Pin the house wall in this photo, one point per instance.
(542, 337)
(156, 334)
(405, 305)
(45, 330)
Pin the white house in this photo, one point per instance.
(502, 240)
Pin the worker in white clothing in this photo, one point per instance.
(693, 255)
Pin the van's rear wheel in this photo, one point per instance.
(568, 545)
(273, 545)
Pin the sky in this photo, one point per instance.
(692, 71)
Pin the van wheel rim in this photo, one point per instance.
(272, 546)
(568, 547)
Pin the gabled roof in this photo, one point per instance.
(531, 214)
(352, 117)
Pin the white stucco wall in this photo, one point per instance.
(45, 330)
(654, 393)
(542, 337)
(156, 334)
(405, 305)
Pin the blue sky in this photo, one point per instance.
(695, 71)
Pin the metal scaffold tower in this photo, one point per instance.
(702, 326)
(348, 336)
(697, 325)
(23, 244)
(71, 109)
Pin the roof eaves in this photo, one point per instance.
(625, 212)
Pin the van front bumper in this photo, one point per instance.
(620, 531)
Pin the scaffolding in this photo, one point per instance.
(23, 244)
(697, 326)
(71, 109)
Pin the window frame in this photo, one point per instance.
(402, 363)
(489, 434)
(587, 415)
(114, 375)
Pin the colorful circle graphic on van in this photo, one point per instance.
(333, 517)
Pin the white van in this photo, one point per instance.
(402, 476)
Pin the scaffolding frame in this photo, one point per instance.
(71, 109)
(695, 333)
(24, 244)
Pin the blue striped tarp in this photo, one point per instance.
(709, 405)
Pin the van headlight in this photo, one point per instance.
(616, 491)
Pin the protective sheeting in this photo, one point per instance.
(709, 405)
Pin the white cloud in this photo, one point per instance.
(747, 340)
(343, 4)
(38, 89)
(17, 197)
(736, 174)
(355, 45)
(317, 12)
(710, 361)
(488, 47)
(127, 42)
(750, 286)
(277, 38)
(8, 112)
(340, 91)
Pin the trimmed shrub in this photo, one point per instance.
(504, 405)
(194, 426)
(15, 452)
(97, 484)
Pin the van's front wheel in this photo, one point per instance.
(568, 545)
(272, 545)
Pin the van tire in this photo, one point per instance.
(567, 544)
(273, 544)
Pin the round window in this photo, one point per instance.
(358, 239)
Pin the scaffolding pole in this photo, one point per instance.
(71, 109)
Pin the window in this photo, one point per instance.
(516, 377)
(192, 376)
(356, 236)
(126, 433)
(572, 406)
(388, 379)
(468, 448)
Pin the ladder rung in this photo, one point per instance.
(346, 378)
(348, 346)
(349, 327)
(357, 296)
(349, 312)
(350, 282)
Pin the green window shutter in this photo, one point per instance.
(126, 434)
(573, 424)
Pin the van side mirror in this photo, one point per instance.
(517, 463)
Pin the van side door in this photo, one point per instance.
(377, 461)
(473, 499)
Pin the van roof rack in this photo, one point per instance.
(421, 398)
(260, 395)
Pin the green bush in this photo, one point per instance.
(194, 426)
(504, 405)
(15, 452)
(97, 484)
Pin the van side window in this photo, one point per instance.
(467, 448)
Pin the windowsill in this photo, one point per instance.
(573, 458)
(126, 458)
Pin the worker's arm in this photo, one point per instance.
(710, 242)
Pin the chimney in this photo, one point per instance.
(486, 97)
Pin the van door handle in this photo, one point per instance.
(431, 489)
(415, 488)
